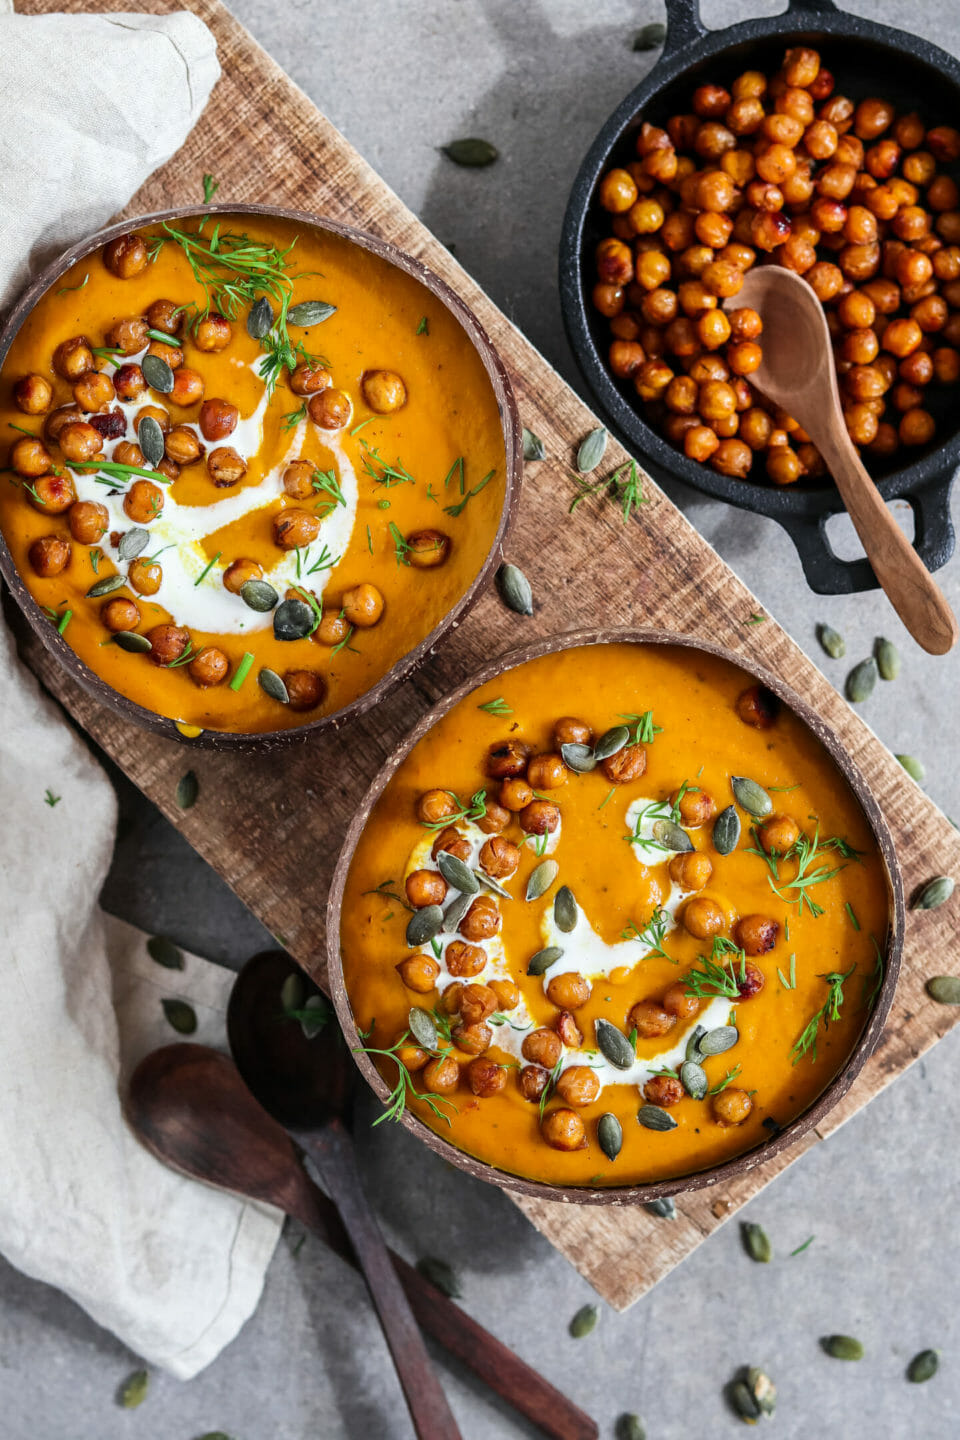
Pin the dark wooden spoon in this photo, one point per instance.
(307, 1086)
(190, 1108)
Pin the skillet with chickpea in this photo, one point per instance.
(251, 465)
(615, 918)
(782, 169)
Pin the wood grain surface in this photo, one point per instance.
(272, 825)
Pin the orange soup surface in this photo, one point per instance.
(617, 914)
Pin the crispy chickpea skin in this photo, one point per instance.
(540, 817)
(486, 1077)
(426, 549)
(225, 467)
(626, 766)
(187, 388)
(691, 871)
(570, 731)
(563, 1130)
(696, 807)
(542, 1047)
(441, 1076)
(650, 1019)
(731, 1107)
(481, 921)
(477, 1003)
(578, 1085)
(507, 758)
(128, 382)
(120, 614)
(126, 256)
(499, 857)
(145, 576)
(569, 991)
(29, 456)
(495, 818)
(49, 555)
(777, 833)
(758, 707)
(209, 666)
(425, 887)
(702, 917)
(333, 628)
(507, 993)
(514, 794)
(363, 605)
(756, 934)
(678, 1001)
(182, 445)
(52, 494)
(167, 643)
(464, 960)
(213, 333)
(33, 394)
(73, 358)
(419, 972)
(750, 979)
(330, 409)
(293, 528)
(165, 315)
(298, 480)
(532, 1081)
(452, 843)
(218, 419)
(238, 572)
(546, 772)
(307, 380)
(568, 1030)
(472, 1039)
(413, 1057)
(143, 501)
(663, 1090)
(383, 390)
(434, 805)
(88, 521)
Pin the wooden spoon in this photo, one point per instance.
(190, 1108)
(797, 373)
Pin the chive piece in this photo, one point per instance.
(853, 919)
(243, 670)
(165, 339)
(65, 619)
(424, 327)
(207, 568)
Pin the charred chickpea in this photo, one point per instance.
(453, 842)
(757, 706)
(472, 1039)
(293, 529)
(486, 1077)
(128, 336)
(213, 333)
(171, 355)
(568, 1030)
(691, 871)
(507, 758)
(383, 390)
(542, 1047)
(539, 817)
(464, 960)
(52, 494)
(29, 456)
(563, 1129)
(187, 388)
(167, 643)
(756, 934)
(436, 805)
(33, 394)
(425, 887)
(182, 445)
(120, 614)
(663, 1090)
(49, 555)
(441, 1076)
(58, 419)
(750, 980)
(614, 262)
(362, 605)
(145, 576)
(225, 466)
(143, 501)
(419, 972)
(703, 917)
(165, 315)
(569, 991)
(777, 833)
(650, 1020)
(481, 921)
(209, 666)
(578, 1085)
(499, 857)
(153, 412)
(88, 521)
(126, 256)
(218, 419)
(426, 549)
(696, 807)
(128, 382)
(532, 1081)
(626, 765)
(330, 409)
(546, 771)
(477, 1003)
(731, 1107)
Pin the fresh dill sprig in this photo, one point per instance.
(293, 417)
(401, 549)
(685, 789)
(380, 471)
(730, 1076)
(643, 815)
(828, 1012)
(326, 483)
(550, 1086)
(405, 1089)
(652, 935)
(625, 485)
(386, 894)
(722, 973)
(456, 510)
(812, 869)
(790, 984)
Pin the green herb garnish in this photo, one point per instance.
(243, 670)
(828, 1012)
(496, 707)
(207, 568)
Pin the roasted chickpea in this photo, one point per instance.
(477, 1003)
(413, 1057)
(778, 833)
(563, 1129)
(678, 1001)
(143, 501)
(515, 794)
(538, 817)
(52, 494)
(453, 843)
(425, 887)
(213, 333)
(507, 758)
(756, 427)
(120, 614)
(703, 917)
(166, 316)
(298, 480)
(944, 141)
(333, 628)
(494, 819)
(426, 549)
(441, 1076)
(88, 521)
(49, 555)
(546, 771)
(578, 1085)
(29, 456)
(305, 688)
(486, 1077)
(187, 388)
(330, 409)
(872, 117)
(182, 445)
(731, 1107)
(153, 412)
(713, 329)
(691, 871)
(33, 394)
(145, 576)
(902, 337)
(472, 1039)
(946, 365)
(650, 1020)
(617, 191)
(239, 572)
(626, 766)
(756, 934)
(125, 256)
(507, 994)
(917, 427)
(663, 1090)
(167, 643)
(464, 960)
(542, 1047)
(209, 666)
(696, 807)
(171, 355)
(757, 706)
(569, 991)
(293, 528)
(225, 467)
(218, 419)
(481, 921)
(128, 382)
(383, 390)
(499, 857)
(532, 1081)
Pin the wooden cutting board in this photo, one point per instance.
(272, 826)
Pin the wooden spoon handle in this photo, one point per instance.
(912, 590)
(331, 1150)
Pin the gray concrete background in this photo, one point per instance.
(400, 77)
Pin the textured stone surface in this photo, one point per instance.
(400, 78)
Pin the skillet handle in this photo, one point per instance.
(684, 25)
(817, 7)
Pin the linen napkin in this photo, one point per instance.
(89, 106)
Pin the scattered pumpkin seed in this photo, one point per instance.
(653, 1117)
(423, 925)
(743, 1402)
(293, 620)
(490, 884)
(888, 659)
(610, 1135)
(614, 1045)
(292, 992)
(543, 959)
(133, 543)
(923, 1366)
(259, 595)
(165, 953)
(693, 1078)
(664, 1209)
(651, 37)
(584, 1321)
(222, 1434)
(628, 1427)
(106, 586)
(763, 1390)
(565, 909)
(423, 1028)
(945, 989)
(533, 447)
(672, 836)
(441, 1275)
(272, 684)
(310, 312)
(260, 319)
(150, 439)
(578, 758)
(188, 788)
(455, 912)
(471, 152)
(750, 796)
(541, 878)
(832, 641)
(719, 1041)
(181, 1016)
(611, 742)
(132, 642)
(312, 1024)
(914, 768)
(133, 1391)
(726, 831)
(842, 1347)
(861, 680)
(515, 590)
(935, 893)
(460, 876)
(692, 1051)
(591, 450)
(756, 1242)
(157, 374)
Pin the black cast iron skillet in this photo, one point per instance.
(867, 59)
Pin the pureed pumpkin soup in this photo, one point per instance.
(251, 465)
(616, 918)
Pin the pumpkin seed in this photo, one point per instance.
(664, 1209)
(259, 595)
(842, 1347)
(578, 758)
(260, 319)
(133, 1391)
(741, 1398)
(756, 1242)
(490, 884)
(441, 1275)
(614, 1045)
(693, 1078)
(610, 1135)
(188, 788)
(763, 1390)
(133, 543)
(533, 447)
(157, 374)
(692, 1051)
(672, 836)
(293, 620)
(515, 590)
(565, 911)
(591, 450)
(584, 1321)
(471, 152)
(423, 925)
(455, 912)
(888, 659)
(291, 993)
(750, 796)
(719, 1041)
(923, 1366)
(222, 1434)
(543, 959)
(272, 685)
(726, 831)
(312, 1024)
(150, 439)
(106, 586)
(652, 1117)
(132, 642)
(934, 893)
(861, 680)
(460, 876)
(181, 1016)
(541, 878)
(945, 989)
(422, 1027)
(611, 742)
(165, 953)
(651, 37)
(310, 312)
(832, 641)
(914, 768)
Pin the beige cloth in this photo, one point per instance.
(89, 106)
